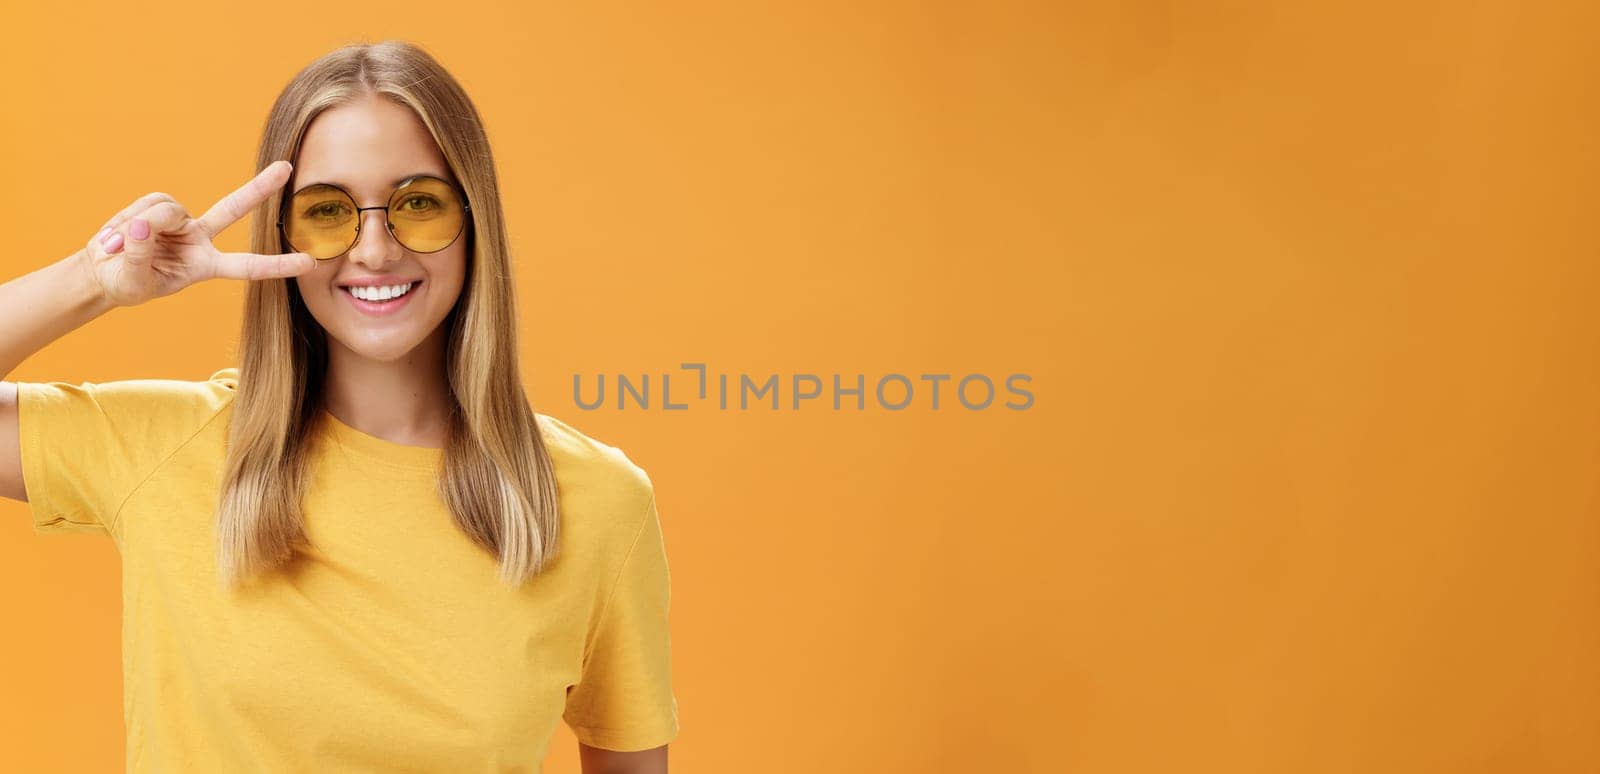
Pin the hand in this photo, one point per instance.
(153, 248)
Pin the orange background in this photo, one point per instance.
(1306, 295)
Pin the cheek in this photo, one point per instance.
(450, 278)
(314, 290)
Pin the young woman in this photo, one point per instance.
(360, 549)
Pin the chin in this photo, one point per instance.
(384, 349)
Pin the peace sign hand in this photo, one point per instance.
(153, 248)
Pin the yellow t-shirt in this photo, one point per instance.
(390, 644)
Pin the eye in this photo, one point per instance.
(328, 210)
(419, 203)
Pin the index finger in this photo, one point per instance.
(139, 205)
(239, 203)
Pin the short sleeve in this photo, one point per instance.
(86, 447)
(624, 699)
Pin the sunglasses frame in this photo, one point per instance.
(466, 211)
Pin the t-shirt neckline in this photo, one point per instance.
(417, 457)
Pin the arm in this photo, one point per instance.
(36, 309)
(594, 760)
(152, 248)
(622, 708)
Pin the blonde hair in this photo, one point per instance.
(496, 476)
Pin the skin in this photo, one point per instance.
(386, 374)
(594, 760)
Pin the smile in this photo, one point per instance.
(380, 299)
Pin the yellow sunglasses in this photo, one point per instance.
(425, 215)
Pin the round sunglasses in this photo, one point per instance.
(425, 215)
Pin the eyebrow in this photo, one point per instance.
(395, 183)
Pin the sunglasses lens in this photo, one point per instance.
(321, 220)
(426, 215)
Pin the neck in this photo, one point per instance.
(405, 400)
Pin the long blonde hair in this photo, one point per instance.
(496, 476)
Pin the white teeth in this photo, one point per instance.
(380, 292)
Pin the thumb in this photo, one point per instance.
(159, 218)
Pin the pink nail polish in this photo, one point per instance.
(105, 236)
(139, 228)
(114, 244)
(102, 235)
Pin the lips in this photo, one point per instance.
(378, 293)
(378, 308)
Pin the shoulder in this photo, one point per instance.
(208, 395)
(590, 469)
(87, 446)
(133, 406)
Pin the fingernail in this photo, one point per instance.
(114, 244)
(139, 228)
(100, 237)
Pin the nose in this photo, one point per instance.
(374, 247)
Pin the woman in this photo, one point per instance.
(361, 549)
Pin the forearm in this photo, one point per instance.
(594, 760)
(44, 305)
